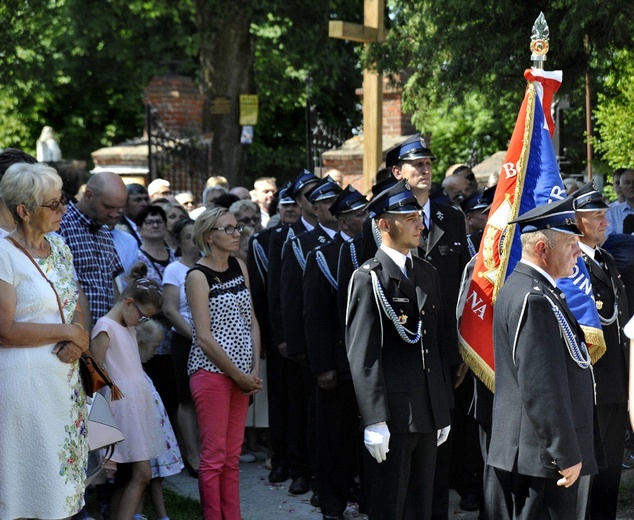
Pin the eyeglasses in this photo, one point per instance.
(54, 206)
(143, 318)
(230, 230)
(151, 223)
(246, 220)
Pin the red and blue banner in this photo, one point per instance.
(529, 177)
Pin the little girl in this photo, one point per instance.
(114, 343)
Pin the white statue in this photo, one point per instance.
(47, 147)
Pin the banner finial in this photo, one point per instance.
(539, 41)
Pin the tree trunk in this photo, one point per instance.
(227, 53)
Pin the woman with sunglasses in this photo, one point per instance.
(114, 344)
(224, 361)
(43, 445)
(248, 214)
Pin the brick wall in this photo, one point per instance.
(395, 122)
(179, 103)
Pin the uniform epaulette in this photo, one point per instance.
(369, 265)
(299, 235)
(321, 247)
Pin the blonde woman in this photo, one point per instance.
(224, 360)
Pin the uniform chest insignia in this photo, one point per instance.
(402, 319)
(322, 239)
(440, 215)
(599, 305)
(400, 300)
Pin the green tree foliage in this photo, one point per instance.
(457, 49)
(80, 67)
(614, 114)
(295, 58)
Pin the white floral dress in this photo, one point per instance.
(43, 444)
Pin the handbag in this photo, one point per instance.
(103, 432)
(102, 427)
(94, 376)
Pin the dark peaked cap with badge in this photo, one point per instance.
(587, 198)
(397, 199)
(348, 200)
(558, 216)
(284, 195)
(383, 185)
(304, 178)
(412, 148)
(324, 189)
(479, 201)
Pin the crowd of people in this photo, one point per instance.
(321, 315)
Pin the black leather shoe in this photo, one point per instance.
(314, 500)
(333, 516)
(299, 486)
(278, 475)
(469, 502)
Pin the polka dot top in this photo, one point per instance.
(230, 311)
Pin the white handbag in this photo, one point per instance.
(103, 434)
(102, 427)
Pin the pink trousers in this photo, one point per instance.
(222, 412)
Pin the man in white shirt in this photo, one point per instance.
(619, 210)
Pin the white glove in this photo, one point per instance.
(376, 438)
(442, 435)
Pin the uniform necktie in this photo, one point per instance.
(598, 257)
(425, 232)
(409, 269)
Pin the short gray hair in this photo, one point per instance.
(240, 206)
(27, 184)
(203, 224)
(221, 189)
(529, 240)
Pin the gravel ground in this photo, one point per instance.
(264, 501)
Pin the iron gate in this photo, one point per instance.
(183, 161)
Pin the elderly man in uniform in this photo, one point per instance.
(543, 435)
(610, 371)
(394, 338)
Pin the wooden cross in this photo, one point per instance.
(372, 30)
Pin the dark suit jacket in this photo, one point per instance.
(610, 371)
(324, 334)
(543, 411)
(397, 382)
(353, 253)
(291, 289)
(257, 267)
(446, 249)
(279, 235)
